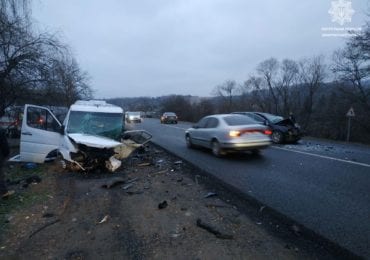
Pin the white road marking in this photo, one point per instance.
(306, 153)
(177, 127)
(323, 156)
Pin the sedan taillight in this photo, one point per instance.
(267, 132)
(237, 133)
(234, 133)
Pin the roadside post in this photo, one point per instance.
(350, 114)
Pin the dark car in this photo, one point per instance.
(283, 130)
(169, 117)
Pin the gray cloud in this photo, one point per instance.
(158, 47)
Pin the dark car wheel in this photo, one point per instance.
(189, 143)
(277, 137)
(216, 149)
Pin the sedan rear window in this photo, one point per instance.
(239, 120)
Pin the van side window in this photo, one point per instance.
(41, 119)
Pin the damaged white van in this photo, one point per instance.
(90, 137)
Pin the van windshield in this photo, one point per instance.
(102, 124)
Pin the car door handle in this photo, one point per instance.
(26, 133)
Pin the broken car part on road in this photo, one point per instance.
(90, 137)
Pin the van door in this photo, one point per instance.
(40, 134)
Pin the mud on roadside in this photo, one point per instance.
(156, 207)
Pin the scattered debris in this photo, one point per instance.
(144, 164)
(43, 227)
(30, 165)
(196, 179)
(210, 194)
(126, 187)
(162, 205)
(48, 215)
(177, 165)
(158, 173)
(105, 219)
(7, 194)
(33, 179)
(159, 163)
(261, 209)
(296, 229)
(113, 182)
(134, 192)
(113, 163)
(218, 206)
(132, 180)
(212, 230)
(75, 255)
(8, 219)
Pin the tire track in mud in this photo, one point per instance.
(124, 233)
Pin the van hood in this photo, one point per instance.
(94, 141)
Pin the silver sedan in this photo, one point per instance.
(228, 133)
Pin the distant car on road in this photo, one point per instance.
(283, 130)
(133, 117)
(228, 133)
(169, 117)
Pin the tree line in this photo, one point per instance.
(318, 90)
(35, 66)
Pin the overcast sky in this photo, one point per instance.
(160, 47)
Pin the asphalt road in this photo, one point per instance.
(324, 186)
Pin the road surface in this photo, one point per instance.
(325, 186)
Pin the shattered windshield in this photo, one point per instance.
(102, 124)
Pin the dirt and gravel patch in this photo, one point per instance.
(156, 207)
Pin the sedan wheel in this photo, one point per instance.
(189, 143)
(216, 149)
(277, 137)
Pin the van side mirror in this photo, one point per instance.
(61, 130)
(195, 126)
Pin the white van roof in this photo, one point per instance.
(95, 106)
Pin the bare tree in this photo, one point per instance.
(289, 71)
(24, 56)
(312, 74)
(361, 41)
(351, 65)
(227, 91)
(66, 79)
(268, 71)
(253, 89)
